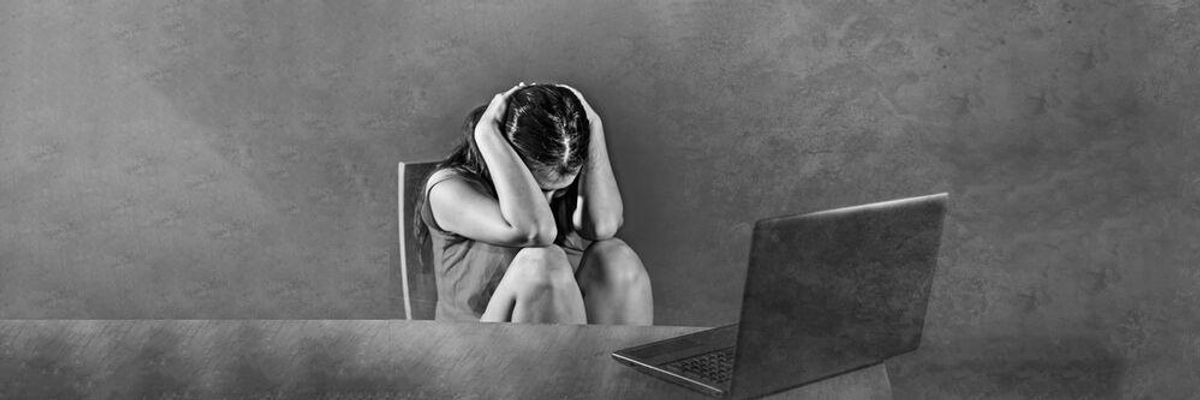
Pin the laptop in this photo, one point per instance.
(826, 293)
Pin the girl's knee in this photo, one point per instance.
(541, 269)
(621, 265)
(612, 249)
(551, 255)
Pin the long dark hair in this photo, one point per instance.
(548, 128)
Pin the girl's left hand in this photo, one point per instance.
(593, 118)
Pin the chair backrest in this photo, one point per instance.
(415, 269)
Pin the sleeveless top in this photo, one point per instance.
(467, 271)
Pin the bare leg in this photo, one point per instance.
(616, 288)
(538, 287)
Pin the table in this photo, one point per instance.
(346, 359)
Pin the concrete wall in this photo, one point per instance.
(236, 159)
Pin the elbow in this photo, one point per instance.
(541, 240)
(603, 230)
(541, 236)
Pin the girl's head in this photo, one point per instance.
(548, 127)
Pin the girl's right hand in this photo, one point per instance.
(490, 121)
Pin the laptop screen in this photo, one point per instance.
(833, 291)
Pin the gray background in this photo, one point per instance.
(237, 159)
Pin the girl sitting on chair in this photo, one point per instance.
(522, 217)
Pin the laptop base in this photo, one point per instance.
(656, 358)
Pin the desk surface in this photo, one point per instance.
(344, 360)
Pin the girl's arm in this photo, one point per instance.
(520, 217)
(599, 212)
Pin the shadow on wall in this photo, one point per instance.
(1014, 367)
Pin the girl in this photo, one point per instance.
(523, 215)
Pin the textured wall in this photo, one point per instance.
(237, 159)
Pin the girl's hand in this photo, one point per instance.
(492, 115)
(599, 212)
(593, 118)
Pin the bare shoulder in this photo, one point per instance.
(448, 186)
(439, 176)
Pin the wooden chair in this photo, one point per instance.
(415, 269)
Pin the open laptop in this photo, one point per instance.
(826, 293)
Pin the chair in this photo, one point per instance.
(414, 272)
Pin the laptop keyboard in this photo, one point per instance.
(715, 367)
